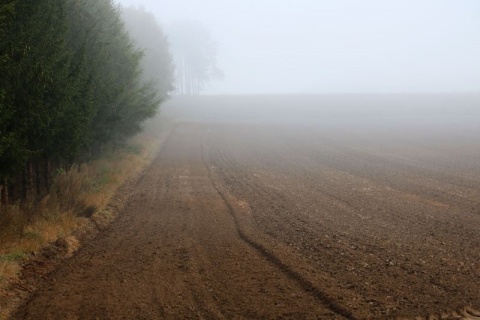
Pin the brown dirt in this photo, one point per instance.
(285, 222)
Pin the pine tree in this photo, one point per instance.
(71, 84)
(33, 65)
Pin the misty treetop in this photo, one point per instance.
(157, 64)
(71, 82)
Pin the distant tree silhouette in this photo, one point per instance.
(195, 54)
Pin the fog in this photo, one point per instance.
(309, 46)
(374, 109)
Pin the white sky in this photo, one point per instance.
(318, 46)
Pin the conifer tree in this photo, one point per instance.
(33, 64)
(71, 83)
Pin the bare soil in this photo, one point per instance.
(287, 221)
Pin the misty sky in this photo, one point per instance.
(336, 46)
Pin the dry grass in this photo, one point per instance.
(75, 196)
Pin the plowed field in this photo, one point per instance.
(343, 219)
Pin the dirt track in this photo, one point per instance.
(286, 221)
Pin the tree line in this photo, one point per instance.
(72, 84)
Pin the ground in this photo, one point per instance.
(338, 219)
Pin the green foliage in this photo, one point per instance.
(14, 256)
(71, 81)
(7, 10)
(38, 86)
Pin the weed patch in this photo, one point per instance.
(76, 196)
(13, 256)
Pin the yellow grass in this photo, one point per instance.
(83, 191)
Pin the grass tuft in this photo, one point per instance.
(13, 256)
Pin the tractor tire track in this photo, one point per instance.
(303, 283)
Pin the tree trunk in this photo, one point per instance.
(12, 191)
(4, 196)
(38, 182)
(28, 180)
(3, 193)
(46, 173)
